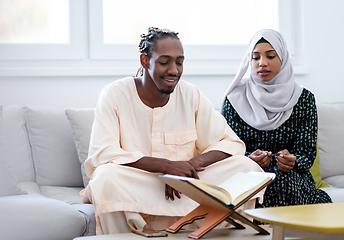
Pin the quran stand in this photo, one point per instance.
(212, 217)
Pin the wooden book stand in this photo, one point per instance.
(213, 217)
(213, 210)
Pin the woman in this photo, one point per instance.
(277, 120)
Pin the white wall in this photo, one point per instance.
(324, 49)
(321, 28)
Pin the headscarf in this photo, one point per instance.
(265, 105)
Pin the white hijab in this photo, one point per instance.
(265, 105)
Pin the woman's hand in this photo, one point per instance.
(285, 161)
(262, 158)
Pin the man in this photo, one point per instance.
(150, 125)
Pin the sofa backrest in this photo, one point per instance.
(41, 146)
(42, 149)
(81, 121)
(18, 144)
(331, 138)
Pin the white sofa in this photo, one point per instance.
(40, 177)
(41, 153)
(330, 146)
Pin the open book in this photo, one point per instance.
(233, 192)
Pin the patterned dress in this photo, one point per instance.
(297, 135)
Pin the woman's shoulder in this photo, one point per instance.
(306, 102)
(306, 97)
(229, 111)
(307, 93)
(227, 105)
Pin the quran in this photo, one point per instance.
(234, 191)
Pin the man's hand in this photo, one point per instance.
(165, 166)
(262, 158)
(197, 164)
(285, 161)
(171, 192)
(180, 168)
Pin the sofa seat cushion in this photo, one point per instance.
(88, 211)
(336, 194)
(30, 187)
(53, 149)
(70, 195)
(36, 217)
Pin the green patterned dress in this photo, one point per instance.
(298, 135)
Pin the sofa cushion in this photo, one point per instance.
(336, 194)
(35, 217)
(337, 181)
(8, 179)
(88, 211)
(81, 121)
(316, 172)
(53, 150)
(331, 138)
(70, 195)
(18, 144)
(30, 187)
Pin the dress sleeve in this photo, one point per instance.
(213, 132)
(105, 146)
(304, 146)
(233, 121)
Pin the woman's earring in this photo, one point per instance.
(139, 72)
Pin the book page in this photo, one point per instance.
(213, 190)
(242, 184)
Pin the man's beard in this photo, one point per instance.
(166, 91)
